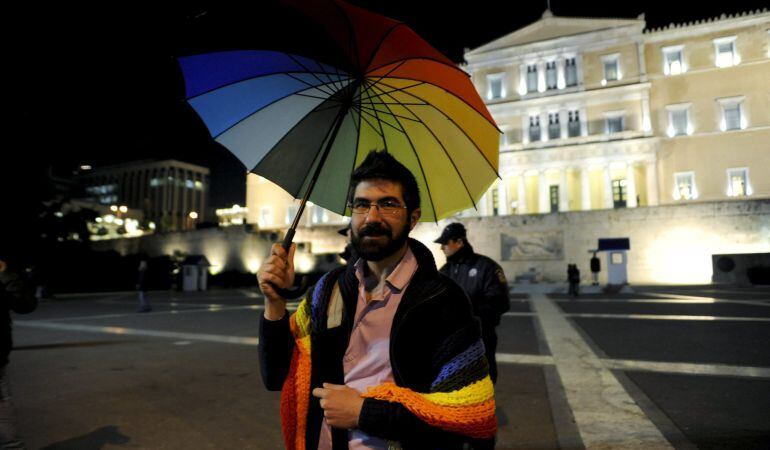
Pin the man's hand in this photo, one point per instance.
(278, 270)
(341, 404)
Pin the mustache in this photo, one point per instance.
(374, 229)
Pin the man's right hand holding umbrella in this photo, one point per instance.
(276, 271)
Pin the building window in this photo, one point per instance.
(573, 127)
(496, 86)
(155, 182)
(532, 78)
(550, 75)
(613, 123)
(534, 128)
(738, 182)
(189, 184)
(495, 202)
(733, 117)
(570, 72)
(673, 62)
(265, 216)
(554, 128)
(684, 186)
(320, 215)
(611, 68)
(726, 54)
(199, 185)
(554, 197)
(291, 212)
(678, 120)
(619, 193)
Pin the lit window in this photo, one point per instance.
(550, 75)
(738, 182)
(611, 68)
(189, 184)
(673, 61)
(199, 185)
(614, 123)
(570, 72)
(573, 127)
(532, 78)
(496, 86)
(684, 186)
(733, 117)
(726, 54)
(504, 138)
(534, 128)
(678, 120)
(554, 128)
(155, 182)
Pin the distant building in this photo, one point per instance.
(602, 113)
(171, 194)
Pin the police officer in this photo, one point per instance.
(483, 281)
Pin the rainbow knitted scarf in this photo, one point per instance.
(461, 399)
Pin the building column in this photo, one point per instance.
(561, 82)
(483, 210)
(631, 186)
(503, 205)
(522, 200)
(608, 203)
(652, 183)
(646, 121)
(564, 123)
(585, 189)
(543, 195)
(563, 194)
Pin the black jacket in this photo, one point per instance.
(16, 296)
(432, 325)
(484, 282)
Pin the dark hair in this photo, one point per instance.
(383, 166)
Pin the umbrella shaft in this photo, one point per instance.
(287, 240)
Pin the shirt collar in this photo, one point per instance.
(401, 275)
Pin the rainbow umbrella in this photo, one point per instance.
(306, 120)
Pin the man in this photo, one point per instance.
(482, 279)
(16, 296)
(385, 351)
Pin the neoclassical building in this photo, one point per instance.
(604, 113)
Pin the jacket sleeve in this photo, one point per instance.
(457, 408)
(17, 294)
(275, 348)
(495, 294)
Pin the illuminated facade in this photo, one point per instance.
(602, 113)
(171, 194)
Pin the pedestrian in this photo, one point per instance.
(385, 352)
(573, 278)
(596, 267)
(483, 281)
(17, 295)
(141, 287)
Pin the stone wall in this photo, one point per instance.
(670, 244)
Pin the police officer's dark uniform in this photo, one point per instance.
(484, 282)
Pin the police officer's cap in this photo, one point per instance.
(451, 231)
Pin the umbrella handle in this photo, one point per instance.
(293, 292)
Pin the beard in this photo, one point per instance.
(377, 250)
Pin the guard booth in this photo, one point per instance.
(617, 259)
(195, 272)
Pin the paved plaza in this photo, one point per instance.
(654, 367)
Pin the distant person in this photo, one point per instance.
(483, 281)
(18, 296)
(573, 277)
(141, 287)
(596, 267)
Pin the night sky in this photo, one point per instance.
(100, 85)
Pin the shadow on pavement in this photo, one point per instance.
(94, 440)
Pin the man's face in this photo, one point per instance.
(451, 247)
(375, 235)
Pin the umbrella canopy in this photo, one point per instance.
(305, 121)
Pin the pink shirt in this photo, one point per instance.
(367, 360)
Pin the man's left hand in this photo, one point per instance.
(341, 404)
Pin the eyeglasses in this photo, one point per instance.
(386, 207)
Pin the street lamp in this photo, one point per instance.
(124, 209)
(193, 215)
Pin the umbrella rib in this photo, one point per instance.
(247, 79)
(311, 73)
(390, 113)
(382, 40)
(439, 87)
(443, 148)
(255, 112)
(380, 133)
(353, 166)
(377, 116)
(458, 127)
(390, 71)
(419, 163)
(316, 97)
(309, 84)
(450, 65)
(370, 124)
